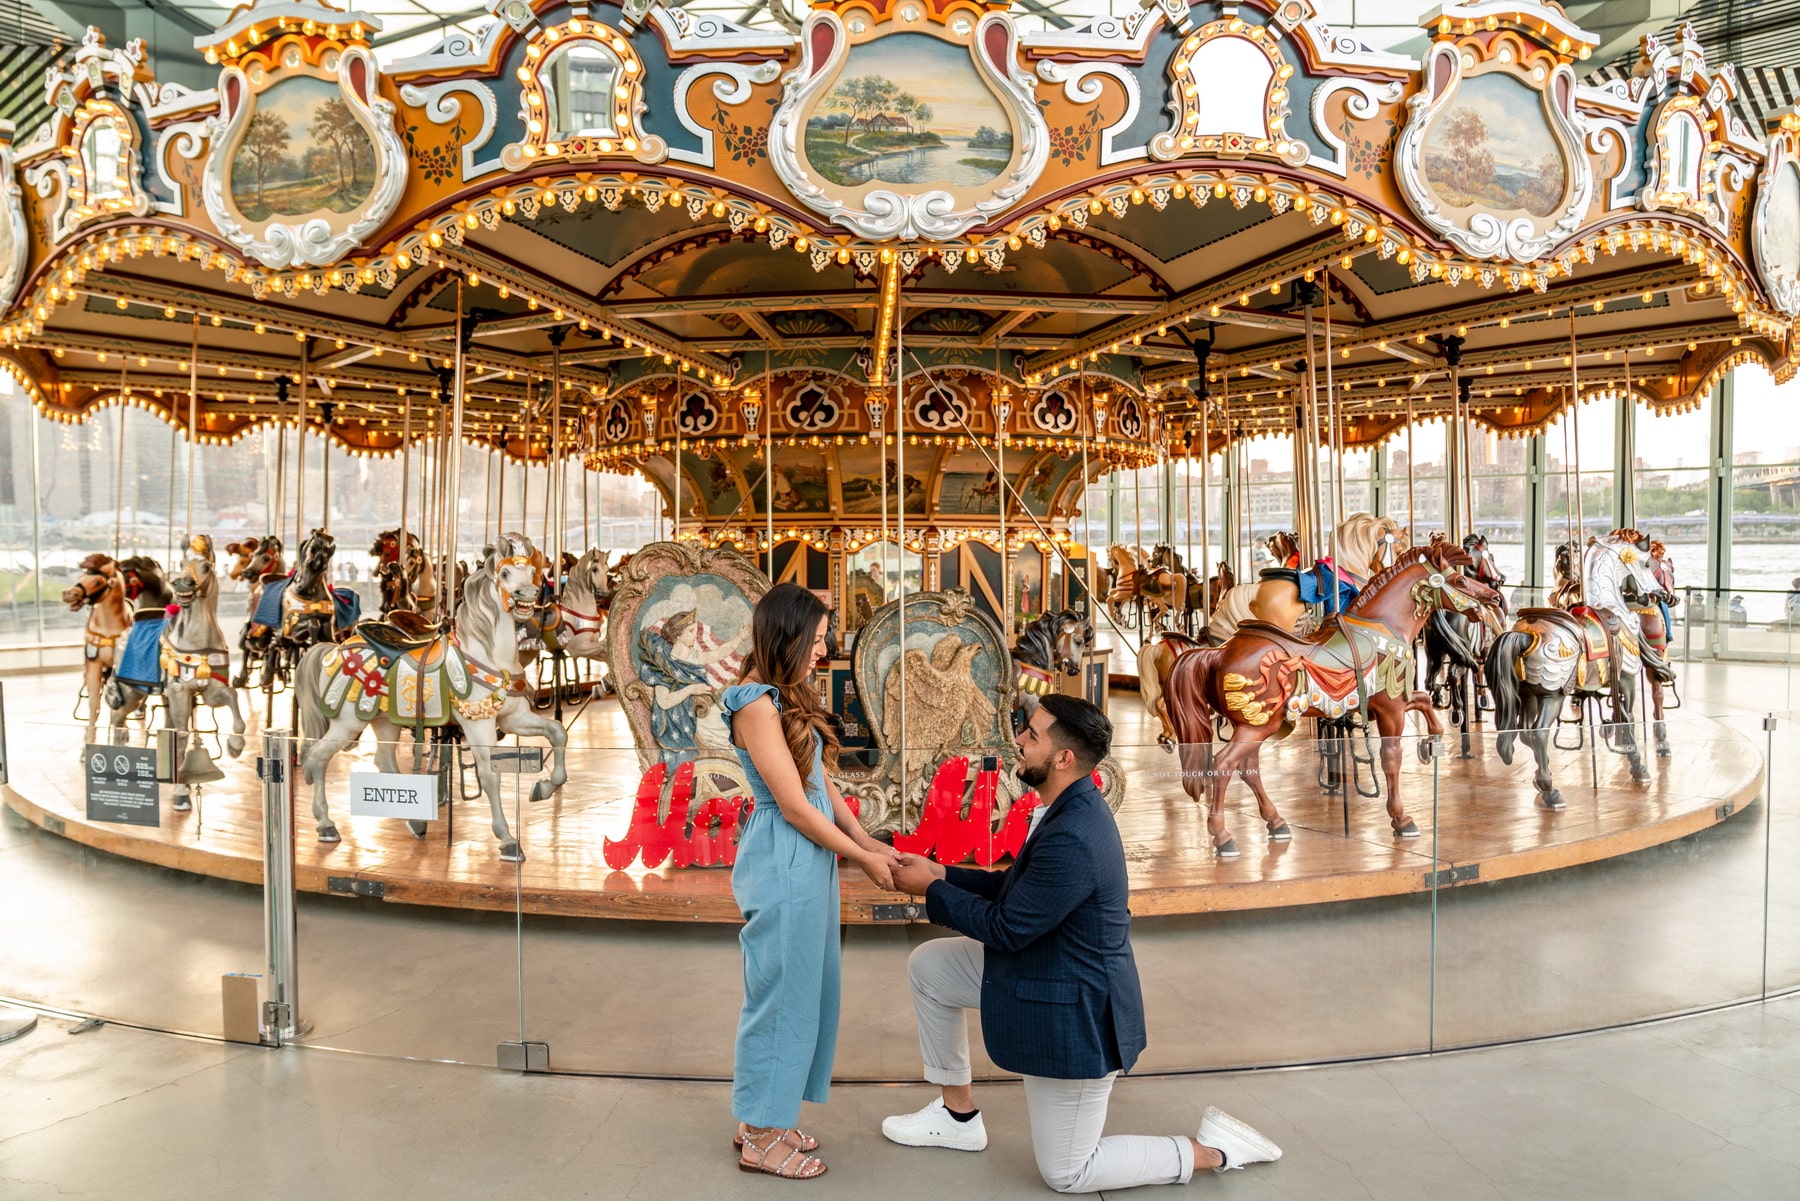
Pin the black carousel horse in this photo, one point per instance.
(1055, 642)
(302, 610)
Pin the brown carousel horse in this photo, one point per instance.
(404, 577)
(100, 588)
(260, 561)
(1265, 680)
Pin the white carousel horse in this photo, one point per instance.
(196, 661)
(1590, 651)
(391, 676)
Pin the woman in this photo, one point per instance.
(786, 884)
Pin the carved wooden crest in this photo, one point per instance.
(920, 124)
(677, 632)
(1491, 154)
(1775, 224)
(15, 247)
(305, 160)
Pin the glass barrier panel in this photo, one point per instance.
(1314, 947)
(126, 900)
(1781, 790)
(1611, 894)
(408, 934)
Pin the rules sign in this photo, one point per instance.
(390, 794)
(121, 785)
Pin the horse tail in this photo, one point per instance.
(1150, 683)
(1503, 681)
(308, 695)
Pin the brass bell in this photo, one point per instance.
(197, 767)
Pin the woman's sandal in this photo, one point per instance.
(793, 1138)
(795, 1165)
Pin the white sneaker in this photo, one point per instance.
(934, 1127)
(1241, 1143)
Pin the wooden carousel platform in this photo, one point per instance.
(1486, 828)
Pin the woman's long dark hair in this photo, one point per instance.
(781, 641)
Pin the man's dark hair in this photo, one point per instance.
(1079, 726)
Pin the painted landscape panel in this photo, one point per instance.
(1492, 147)
(909, 109)
(1781, 239)
(303, 151)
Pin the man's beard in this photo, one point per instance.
(1033, 777)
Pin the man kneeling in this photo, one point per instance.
(1047, 958)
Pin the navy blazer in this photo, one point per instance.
(1059, 987)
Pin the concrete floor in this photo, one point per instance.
(1667, 930)
(1700, 1107)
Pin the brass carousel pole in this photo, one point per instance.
(193, 421)
(119, 480)
(900, 512)
(1006, 577)
(768, 441)
(1306, 424)
(452, 488)
(280, 506)
(1412, 533)
(553, 467)
(1337, 462)
(675, 461)
(1087, 520)
(1575, 425)
(300, 442)
(1205, 475)
(405, 478)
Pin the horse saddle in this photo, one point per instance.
(402, 631)
(1288, 640)
(1581, 623)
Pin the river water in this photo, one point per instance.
(932, 165)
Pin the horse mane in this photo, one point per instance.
(1442, 555)
(480, 608)
(1037, 645)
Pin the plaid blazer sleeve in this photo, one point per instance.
(1059, 877)
(979, 881)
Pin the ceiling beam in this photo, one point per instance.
(1005, 325)
(1323, 250)
(866, 298)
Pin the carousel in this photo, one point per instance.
(875, 306)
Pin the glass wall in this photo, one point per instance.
(1765, 498)
(1580, 477)
(1415, 478)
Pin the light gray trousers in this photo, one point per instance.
(1067, 1116)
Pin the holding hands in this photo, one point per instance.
(914, 874)
(879, 862)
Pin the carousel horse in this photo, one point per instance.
(1055, 642)
(100, 589)
(1592, 650)
(1137, 580)
(1155, 658)
(1266, 679)
(1366, 544)
(256, 559)
(580, 630)
(395, 678)
(1187, 596)
(301, 609)
(1234, 601)
(1456, 646)
(195, 658)
(138, 674)
(1655, 621)
(260, 561)
(412, 565)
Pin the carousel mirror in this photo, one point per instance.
(1239, 75)
(103, 161)
(579, 81)
(871, 578)
(1028, 585)
(1684, 142)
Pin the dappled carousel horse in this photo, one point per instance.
(138, 674)
(1365, 544)
(1456, 646)
(1055, 642)
(580, 628)
(1265, 680)
(100, 589)
(1590, 651)
(387, 676)
(196, 661)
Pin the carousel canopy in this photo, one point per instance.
(640, 231)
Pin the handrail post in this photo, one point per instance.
(281, 992)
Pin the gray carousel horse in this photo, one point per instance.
(395, 676)
(1593, 650)
(196, 662)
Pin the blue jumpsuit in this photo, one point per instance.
(786, 886)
